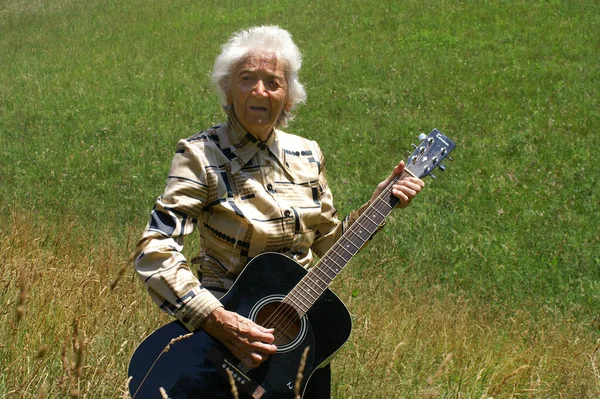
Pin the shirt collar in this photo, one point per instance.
(243, 146)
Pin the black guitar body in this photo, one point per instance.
(195, 367)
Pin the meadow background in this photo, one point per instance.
(487, 286)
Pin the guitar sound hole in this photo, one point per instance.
(283, 318)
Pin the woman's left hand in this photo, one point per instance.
(405, 190)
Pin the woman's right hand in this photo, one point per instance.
(251, 343)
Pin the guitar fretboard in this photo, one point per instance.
(317, 280)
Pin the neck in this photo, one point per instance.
(262, 135)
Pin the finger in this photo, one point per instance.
(400, 167)
(248, 362)
(408, 188)
(264, 348)
(413, 183)
(254, 359)
(397, 170)
(258, 333)
(402, 197)
(412, 179)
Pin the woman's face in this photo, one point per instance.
(259, 93)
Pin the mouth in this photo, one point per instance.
(258, 109)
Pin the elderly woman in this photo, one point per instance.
(249, 188)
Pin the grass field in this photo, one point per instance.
(487, 286)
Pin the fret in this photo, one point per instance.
(335, 252)
(360, 225)
(296, 306)
(358, 242)
(363, 240)
(335, 272)
(331, 259)
(345, 249)
(381, 214)
(365, 216)
(298, 302)
(314, 273)
(364, 221)
(302, 289)
(388, 208)
(350, 241)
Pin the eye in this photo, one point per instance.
(273, 84)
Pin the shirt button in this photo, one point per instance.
(287, 213)
(186, 319)
(269, 187)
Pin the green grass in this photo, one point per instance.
(501, 251)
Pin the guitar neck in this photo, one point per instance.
(427, 156)
(318, 279)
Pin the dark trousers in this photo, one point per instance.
(319, 386)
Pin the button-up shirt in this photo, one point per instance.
(246, 197)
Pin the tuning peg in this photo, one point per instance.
(414, 146)
(422, 136)
(432, 176)
(442, 167)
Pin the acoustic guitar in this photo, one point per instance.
(275, 292)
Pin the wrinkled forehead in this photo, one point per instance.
(260, 61)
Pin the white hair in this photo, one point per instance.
(270, 39)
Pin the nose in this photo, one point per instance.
(259, 88)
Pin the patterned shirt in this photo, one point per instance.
(246, 197)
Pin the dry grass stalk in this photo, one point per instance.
(163, 393)
(73, 371)
(393, 361)
(73, 273)
(431, 392)
(66, 375)
(120, 273)
(510, 375)
(167, 348)
(42, 391)
(175, 340)
(23, 294)
(595, 370)
(441, 369)
(234, 390)
(125, 389)
(596, 348)
(42, 352)
(79, 359)
(300, 374)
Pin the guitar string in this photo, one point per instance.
(288, 311)
(289, 315)
(285, 312)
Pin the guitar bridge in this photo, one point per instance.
(243, 383)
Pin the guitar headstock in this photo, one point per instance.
(429, 154)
